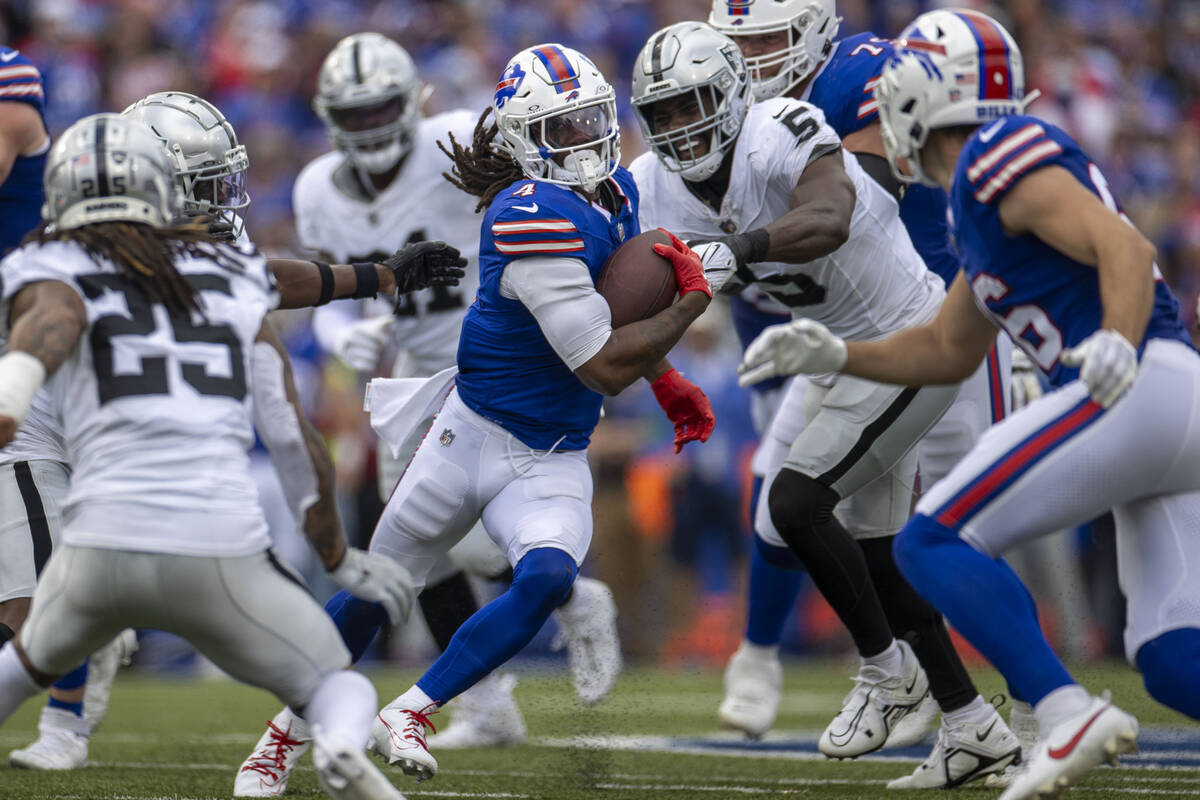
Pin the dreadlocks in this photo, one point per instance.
(146, 255)
(481, 170)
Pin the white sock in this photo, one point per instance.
(58, 719)
(974, 712)
(414, 699)
(1063, 702)
(343, 707)
(16, 684)
(890, 660)
(761, 652)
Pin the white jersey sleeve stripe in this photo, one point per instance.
(532, 226)
(22, 71)
(31, 88)
(1015, 167)
(867, 108)
(536, 247)
(1006, 145)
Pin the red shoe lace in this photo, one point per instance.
(415, 734)
(270, 759)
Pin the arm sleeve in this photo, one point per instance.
(279, 428)
(559, 292)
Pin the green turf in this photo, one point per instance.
(185, 739)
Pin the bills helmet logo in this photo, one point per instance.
(509, 83)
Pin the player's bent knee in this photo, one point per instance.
(1170, 666)
(798, 504)
(543, 577)
(910, 544)
(780, 557)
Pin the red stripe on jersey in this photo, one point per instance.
(1009, 465)
(1002, 148)
(19, 71)
(549, 247)
(996, 78)
(1016, 167)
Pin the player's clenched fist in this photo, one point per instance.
(800, 346)
(1108, 364)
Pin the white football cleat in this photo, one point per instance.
(399, 737)
(102, 669)
(345, 772)
(587, 625)
(265, 773)
(1098, 733)
(964, 753)
(62, 743)
(874, 706)
(1024, 725)
(486, 715)
(915, 728)
(753, 688)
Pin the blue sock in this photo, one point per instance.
(1170, 666)
(75, 679)
(498, 631)
(357, 620)
(985, 600)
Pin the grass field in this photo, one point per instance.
(654, 737)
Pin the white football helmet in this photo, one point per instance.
(369, 97)
(557, 116)
(106, 168)
(809, 24)
(691, 59)
(951, 67)
(211, 165)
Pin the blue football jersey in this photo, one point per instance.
(844, 89)
(21, 193)
(508, 372)
(1046, 301)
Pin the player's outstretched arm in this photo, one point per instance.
(306, 472)
(47, 319)
(818, 222)
(413, 267)
(1055, 207)
(946, 350)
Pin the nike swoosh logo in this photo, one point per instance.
(987, 133)
(531, 208)
(1060, 753)
(909, 688)
(981, 736)
(10, 56)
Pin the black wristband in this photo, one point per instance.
(750, 247)
(326, 282)
(366, 280)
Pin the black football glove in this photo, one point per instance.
(220, 230)
(424, 264)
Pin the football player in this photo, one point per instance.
(33, 468)
(797, 216)
(1050, 257)
(791, 50)
(151, 540)
(536, 355)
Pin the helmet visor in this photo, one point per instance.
(356, 119)
(577, 128)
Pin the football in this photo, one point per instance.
(636, 281)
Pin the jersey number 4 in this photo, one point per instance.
(152, 379)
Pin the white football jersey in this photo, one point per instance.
(871, 286)
(40, 437)
(155, 406)
(419, 205)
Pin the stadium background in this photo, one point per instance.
(1122, 76)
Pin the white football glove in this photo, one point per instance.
(720, 266)
(360, 343)
(378, 579)
(800, 346)
(1108, 364)
(1025, 384)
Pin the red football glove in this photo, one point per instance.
(686, 406)
(689, 272)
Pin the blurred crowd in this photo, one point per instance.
(1123, 76)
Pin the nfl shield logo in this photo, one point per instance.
(621, 231)
(446, 438)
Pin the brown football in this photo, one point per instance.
(636, 281)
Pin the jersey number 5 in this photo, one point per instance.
(152, 379)
(799, 123)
